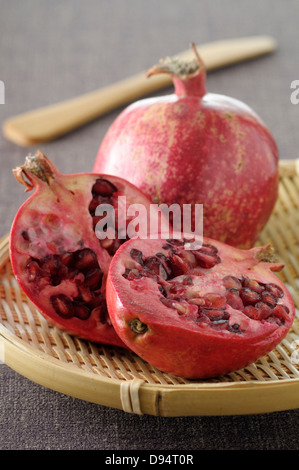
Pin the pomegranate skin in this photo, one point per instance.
(168, 322)
(193, 147)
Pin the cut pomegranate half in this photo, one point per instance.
(57, 255)
(197, 313)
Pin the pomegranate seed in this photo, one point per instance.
(189, 257)
(103, 187)
(107, 243)
(206, 260)
(82, 312)
(85, 294)
(167, 302)
(66, 258)
(93, 279)
(233, 299)
(166, 263)
(268, 299)
(153, 264)
(253, 285)
(216, 300)
(232, 282)
(281, 311)
(215, 314)
(265, 309)
(274, 290)
(137, 255)
(180, 308)
(249, 296)
(33, 270)
(62, 305)
(197, 301)
(51, 265)
(86, 259)
(252, 312)
(207, 248)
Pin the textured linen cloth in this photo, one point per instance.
(51, 51)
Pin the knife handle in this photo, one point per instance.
(50, 122)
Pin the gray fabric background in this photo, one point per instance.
(51, 50)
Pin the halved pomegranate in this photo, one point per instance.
(58, 255)
(197, 312)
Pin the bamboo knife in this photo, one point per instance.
(53, 121)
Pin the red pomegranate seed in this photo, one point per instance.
(281, 311)
(249, 296)
(268, 299)
(274, 290)
(253, 285)
(137, 256)
(216, 300)
(85, 293)
(265, 309)
(207, 248)
(252, 312)
(51, 265)
(33, 270)
(93, 279)
(232, 282)
(82, 312)
(62, 305)
(86, 259)
(66, 258)
(103, 187)
(206, 260)
(167, 302)
(233, 299)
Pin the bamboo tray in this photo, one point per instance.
(117, 378)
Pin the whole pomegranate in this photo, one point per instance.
(197, 312)
(58, 255)
(194, 147)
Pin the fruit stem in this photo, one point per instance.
(189, 77)
(37, 166)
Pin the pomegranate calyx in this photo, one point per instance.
(266, 254)
(175, 66)
(188, 76)
(35, 167)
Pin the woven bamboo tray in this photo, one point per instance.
(117, 378)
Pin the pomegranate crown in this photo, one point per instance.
(189, 77)
(178, 67)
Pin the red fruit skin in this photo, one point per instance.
(57, 218)
(178, 345)
(193, 147)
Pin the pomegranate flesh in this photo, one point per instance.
(195, 147)
(197, 313)
(57, 255)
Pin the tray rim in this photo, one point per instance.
(152, 399)
(140, 397)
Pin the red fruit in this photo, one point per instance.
(196, 147)
(56, 256)
(191, 325)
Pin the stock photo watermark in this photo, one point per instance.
(2, 92)
(144, 224)
(295, 94)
